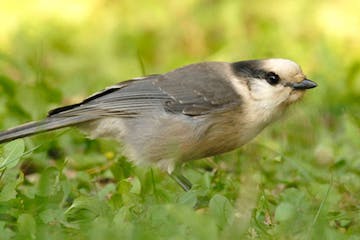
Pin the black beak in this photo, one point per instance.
(304, 84)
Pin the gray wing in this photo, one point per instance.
(199, 89)
(193, 90)
(125, 99)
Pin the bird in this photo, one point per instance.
(195, 111)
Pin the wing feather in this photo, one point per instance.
(193, 90)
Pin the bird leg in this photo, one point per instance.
(184, 183)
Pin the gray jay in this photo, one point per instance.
(192, 112)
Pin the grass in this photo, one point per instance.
(299, 179)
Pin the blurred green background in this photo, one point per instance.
(300, 179)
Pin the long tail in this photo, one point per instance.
(48, 124)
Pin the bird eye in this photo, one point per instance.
(272, 78)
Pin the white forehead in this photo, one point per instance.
(282, 66)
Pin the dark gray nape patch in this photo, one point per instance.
(252, 69)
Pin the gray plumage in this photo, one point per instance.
(192, 112)
(193, 90)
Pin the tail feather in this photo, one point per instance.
(47, 124)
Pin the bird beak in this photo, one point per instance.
(304, 84)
